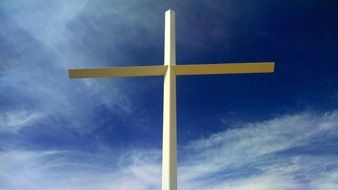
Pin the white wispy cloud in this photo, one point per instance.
(45, 39)
(256, 156)
(71, 170)
(259, 149)
(15, 120)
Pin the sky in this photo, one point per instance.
(252, 131)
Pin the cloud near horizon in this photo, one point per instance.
(258, 155)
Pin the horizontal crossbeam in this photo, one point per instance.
(229, 68)
(201, 69)
(108, 72)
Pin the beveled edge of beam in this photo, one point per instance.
(225, 68)
(107, 72)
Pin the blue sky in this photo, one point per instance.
(256, 131)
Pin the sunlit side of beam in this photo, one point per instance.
(133, 71)
(236, 68)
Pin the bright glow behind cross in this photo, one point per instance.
(169, 70)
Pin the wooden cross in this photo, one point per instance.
(170, 70)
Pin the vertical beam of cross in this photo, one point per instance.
(169, 149)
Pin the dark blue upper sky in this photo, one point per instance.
(285, 118)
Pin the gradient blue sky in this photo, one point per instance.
(257, 131)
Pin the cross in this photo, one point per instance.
(170, 70)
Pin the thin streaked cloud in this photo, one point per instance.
(14, 121)
(259, 156)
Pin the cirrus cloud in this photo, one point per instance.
(257, 155)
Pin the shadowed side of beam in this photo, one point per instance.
(237, 68)
(108, 72)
